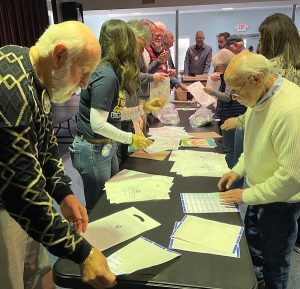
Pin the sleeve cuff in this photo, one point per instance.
(81, 252)
(61, 191)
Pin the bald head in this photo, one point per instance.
(248, 77)
(168, 39)
(64, 57)
(74, 35)
(245, 64)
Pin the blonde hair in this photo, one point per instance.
(65, 33)
(246, 64)
(222, 58)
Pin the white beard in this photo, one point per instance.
(62, 88)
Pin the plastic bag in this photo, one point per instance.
(168, 115)
(202, 117)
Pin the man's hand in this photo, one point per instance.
(232, 196)
(227, 180)
(183, 86)
(159, 76)
(75, 213)
(140, 141)
(95, 271)
(229, 123)
(154, 104)
(208, 90)
(172, 72)
(215, 76)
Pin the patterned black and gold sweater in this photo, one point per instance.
(31, 172)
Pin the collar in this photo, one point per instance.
(37, 83)
(198, 48)
(276, 85)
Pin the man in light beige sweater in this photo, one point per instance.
(271, 164)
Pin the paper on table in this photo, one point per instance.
(118, 227)
(187, 246)
(204, 203)
(162, 144)
(139, 254)
(208, 233)
(196, 89)
(160, 89)
(208, 134)
(195, 163)
(199, 142)
(159, 156)
(134, 186)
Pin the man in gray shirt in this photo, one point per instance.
(198, 57)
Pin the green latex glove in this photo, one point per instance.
(139, 141)
(154, 104)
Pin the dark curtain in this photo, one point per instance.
(22, 22)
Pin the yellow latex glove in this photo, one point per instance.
(139, 141)
(154, 104)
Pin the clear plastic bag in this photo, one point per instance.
(168, 115)
(202, 117)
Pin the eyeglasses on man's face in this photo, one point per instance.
(235, 93)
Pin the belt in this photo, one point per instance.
(93, 140)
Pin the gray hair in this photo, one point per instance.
(246, 64)
(55, 35)
(140, 29)
(222, 58)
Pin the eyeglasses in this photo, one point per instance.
(236, 93)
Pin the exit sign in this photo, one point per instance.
(241, 27)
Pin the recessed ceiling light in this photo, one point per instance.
(229, 8)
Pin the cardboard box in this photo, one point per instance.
(180, 94)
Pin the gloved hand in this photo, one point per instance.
(154, 104)
(139, 141)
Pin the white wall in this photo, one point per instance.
(211, 23)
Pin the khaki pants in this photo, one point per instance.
(24, 262)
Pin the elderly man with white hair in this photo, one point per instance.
(270, 162)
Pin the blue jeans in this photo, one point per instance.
(271, 232)
(228, 146)
(95, 167)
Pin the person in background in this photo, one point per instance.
(168, 42)
(101, 110)
(226, 106)
(251, 48)
(148, 73)
(271, 164)
(222, 37)
(198, 57)
(235, 44)
(32, 174)
(158, 55)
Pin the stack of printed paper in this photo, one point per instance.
(205, 203)
(166, 138)
(205, 236)
(139, 254)
(118, 227)
(132, 186)
(190, 163)
(168, 132)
